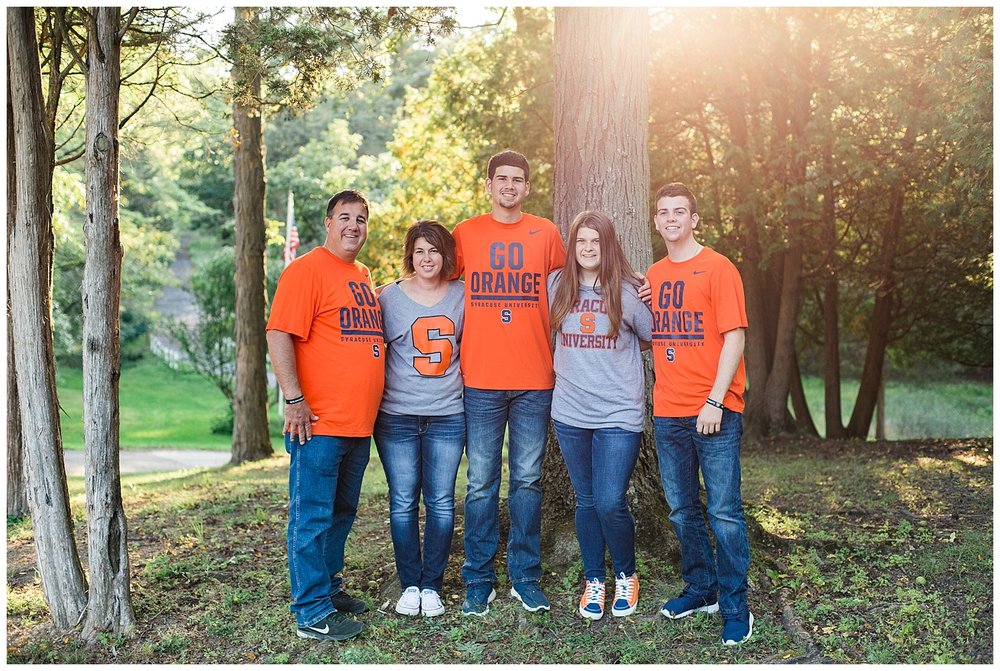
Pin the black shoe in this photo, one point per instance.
(334, 627)
(345, 603)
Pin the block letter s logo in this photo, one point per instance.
(437, 349)
(505, 316)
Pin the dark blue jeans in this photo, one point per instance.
(600, 464)
(421, 454)
(487, 413)
(324, 483)
(682, 451)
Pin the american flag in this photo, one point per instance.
(291, 244)
(291, 231)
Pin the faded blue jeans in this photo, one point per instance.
(487, 413)
(682, 451)
(420, 455)
(324, 484)
(600, 463)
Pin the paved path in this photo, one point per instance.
(148, 461)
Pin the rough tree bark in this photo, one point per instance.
(251, 439)
(30, 268)
(601, 162)
(17, 497)
(109, 606)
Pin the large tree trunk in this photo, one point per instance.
(17, 497)
(601, 162)
(251, 440)
(30, 268)
(109, 607)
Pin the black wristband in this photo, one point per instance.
(293, 401)
(715, 404)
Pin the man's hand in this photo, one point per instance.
(709, 420)
(645, 291)
(299, 419)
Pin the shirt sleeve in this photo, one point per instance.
(640, 319)
(296, 301)
(728, 299)
(557, 250)
(459, 255)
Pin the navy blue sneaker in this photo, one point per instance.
(688, 603)
(736, 630)
(478, 598)
(530, 595)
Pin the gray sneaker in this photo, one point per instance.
(334, 627)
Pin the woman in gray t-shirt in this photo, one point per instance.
(598, 403)
(420, 428)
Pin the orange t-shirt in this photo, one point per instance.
(329, 308)
(694, 303)
(506, 343)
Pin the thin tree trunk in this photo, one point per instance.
(30, 265)
(109, 600)
(881, 320)
(803, 416)
(880, 413)
(778, 382)
(17, 497)
(831, 312)
(601, 117)
(251, 439)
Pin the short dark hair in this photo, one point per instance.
(676, 189)
(508, 157)
(346, 196)
(436, 234)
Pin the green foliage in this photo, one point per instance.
(208, 344)
(147, 253)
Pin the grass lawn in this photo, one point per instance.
(160, 407)
(861, 552)
(933, 409)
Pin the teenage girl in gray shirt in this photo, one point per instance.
(420, 428)
(598, 403)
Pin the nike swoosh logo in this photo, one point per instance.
(697, 272)
(537, 230)
(324, 630)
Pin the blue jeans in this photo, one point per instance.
(324, 483)
(421, 454)
(681, 451)
(526, 414)
(600, 463)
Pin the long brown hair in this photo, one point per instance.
(612, 273)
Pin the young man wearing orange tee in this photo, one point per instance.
(325, 339)
(506, 360)
(699, 320)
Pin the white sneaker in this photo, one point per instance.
(430, 603)
(409, 601)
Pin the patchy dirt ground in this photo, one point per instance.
(862, 552)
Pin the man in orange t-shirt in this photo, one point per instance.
(325, 339)
(506, 360)
(699, 320)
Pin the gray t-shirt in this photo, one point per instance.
(422, 373)
(599, 380)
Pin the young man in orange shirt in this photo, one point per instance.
(699, 320)
(506, 360)
(325, 339)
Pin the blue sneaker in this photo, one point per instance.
(530, 595)
(736, 630)
(478, 598)
(688, 603)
